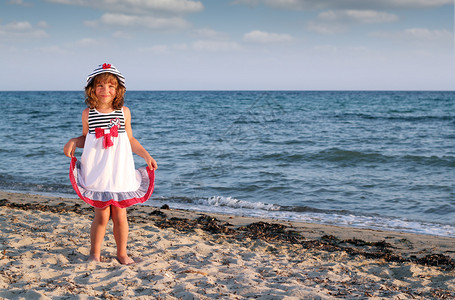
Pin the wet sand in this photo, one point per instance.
(189, 255)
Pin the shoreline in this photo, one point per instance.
(271, 216)
(186, 254)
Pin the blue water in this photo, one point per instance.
(382, 160)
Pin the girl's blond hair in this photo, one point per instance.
(90, 96)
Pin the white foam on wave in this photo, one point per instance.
(235, 203)
(369, 222)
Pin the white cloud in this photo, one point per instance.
(42, 24)
(73, 47)
(346, 4)
(257, 36)
(414, 3)
(21, 30)
(208, 33)
(143, 21)
(356, 16)
(122, 35)
(326, 28)
(139, 6)
(337, 21)
(246, 2)
(325, 49)
(417, 34)
(427, 34)
(215, 46)
(20, 3)
(18, 26)
(146, 14)
(156, 49)
(86, 42)
(164, 49)
(54, 50)
(180, 47)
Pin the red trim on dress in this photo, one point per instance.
(122, 204)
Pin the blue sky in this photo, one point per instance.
(230, 44)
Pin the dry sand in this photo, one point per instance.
(187, 255)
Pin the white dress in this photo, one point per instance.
(106, 175)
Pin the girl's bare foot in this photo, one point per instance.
(125, 260)
(94, 258)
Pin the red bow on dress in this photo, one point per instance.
(107, 142)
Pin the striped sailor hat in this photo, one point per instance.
(106, 68)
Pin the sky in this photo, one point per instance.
(230, 44)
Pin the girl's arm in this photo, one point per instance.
(135, 145)
(78, 142)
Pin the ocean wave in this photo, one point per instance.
(235, 203)
(338, 155)
(232, 206)
(398, 117)
(341, 155)
(6, 183)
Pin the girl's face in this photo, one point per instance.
(105, 93)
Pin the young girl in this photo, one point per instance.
(105, 176)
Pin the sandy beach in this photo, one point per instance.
(189, 255)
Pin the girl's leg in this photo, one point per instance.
(98, 231)
(121, 234)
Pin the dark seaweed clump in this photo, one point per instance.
(279, 234)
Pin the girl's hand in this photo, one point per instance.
(70, 148)
(151, 163)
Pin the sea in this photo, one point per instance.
(382, 160)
